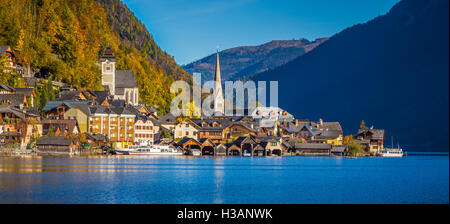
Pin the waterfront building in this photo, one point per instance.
(238, 129)
(18, 126)
(55, 145)
(29, 94)
(61, 127)
(117, 123)
(212, 128)
(121, 83)
(168, 122)
(372, 138)
(146, 130)
(313, 149)
(186, 128)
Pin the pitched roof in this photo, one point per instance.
(125, 79)
(64, 124)
(12, 99)
(312, 146)
(25, 91)
(108, 54)
(223, 123)
(96, 137)
(51, 105)
(98, 109)
(22, 114)
(68, 95)
(53, 140)
(168, 119)
(6, 87)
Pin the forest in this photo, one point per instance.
(63, 40)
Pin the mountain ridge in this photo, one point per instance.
(242, 61)
(391, 72)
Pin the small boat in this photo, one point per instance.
(148, 150)
(391, 152)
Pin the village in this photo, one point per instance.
(86, 122)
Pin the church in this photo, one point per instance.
(219, 104)
(121, 84)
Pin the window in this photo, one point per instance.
(108, 68)
(187, 132)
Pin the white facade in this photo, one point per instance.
(146, 132)
(109, 75)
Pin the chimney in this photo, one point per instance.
(321, 121)
(296, 122)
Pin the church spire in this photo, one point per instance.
(217, 77)
(218, 94)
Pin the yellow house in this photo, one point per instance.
(116, 123)
(326, 132)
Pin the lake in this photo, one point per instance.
(420, 178)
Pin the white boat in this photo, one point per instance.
(391, 152)
(148, 150)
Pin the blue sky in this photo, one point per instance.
(192, 29)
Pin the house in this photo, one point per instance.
(372, 138)
(238, 129)
(5, 89)
(15, 100)
(61, 127)
(212, 128)
(339, 150)
(74, 96)
(56, 109)
(313, 149)
(271, 113)
(313, 132)
(18, 126)
(116, 123)
(121, 83)
(95, 140)
(55, 145)
(168, 121)
(146, 130)
(29, 94)
(102, 98)
(186, 128)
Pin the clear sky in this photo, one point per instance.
(192, 29)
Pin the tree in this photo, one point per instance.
(356, 149)
(50, 131)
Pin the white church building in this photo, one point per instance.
(121, 83)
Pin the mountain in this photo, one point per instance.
(132, 32)
(392, 72)
(65, 38)
(240, 62)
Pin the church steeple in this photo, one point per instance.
(218, 93)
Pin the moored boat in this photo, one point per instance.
(391, 152)
(148, 150)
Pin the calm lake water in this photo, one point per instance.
(412, 179)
